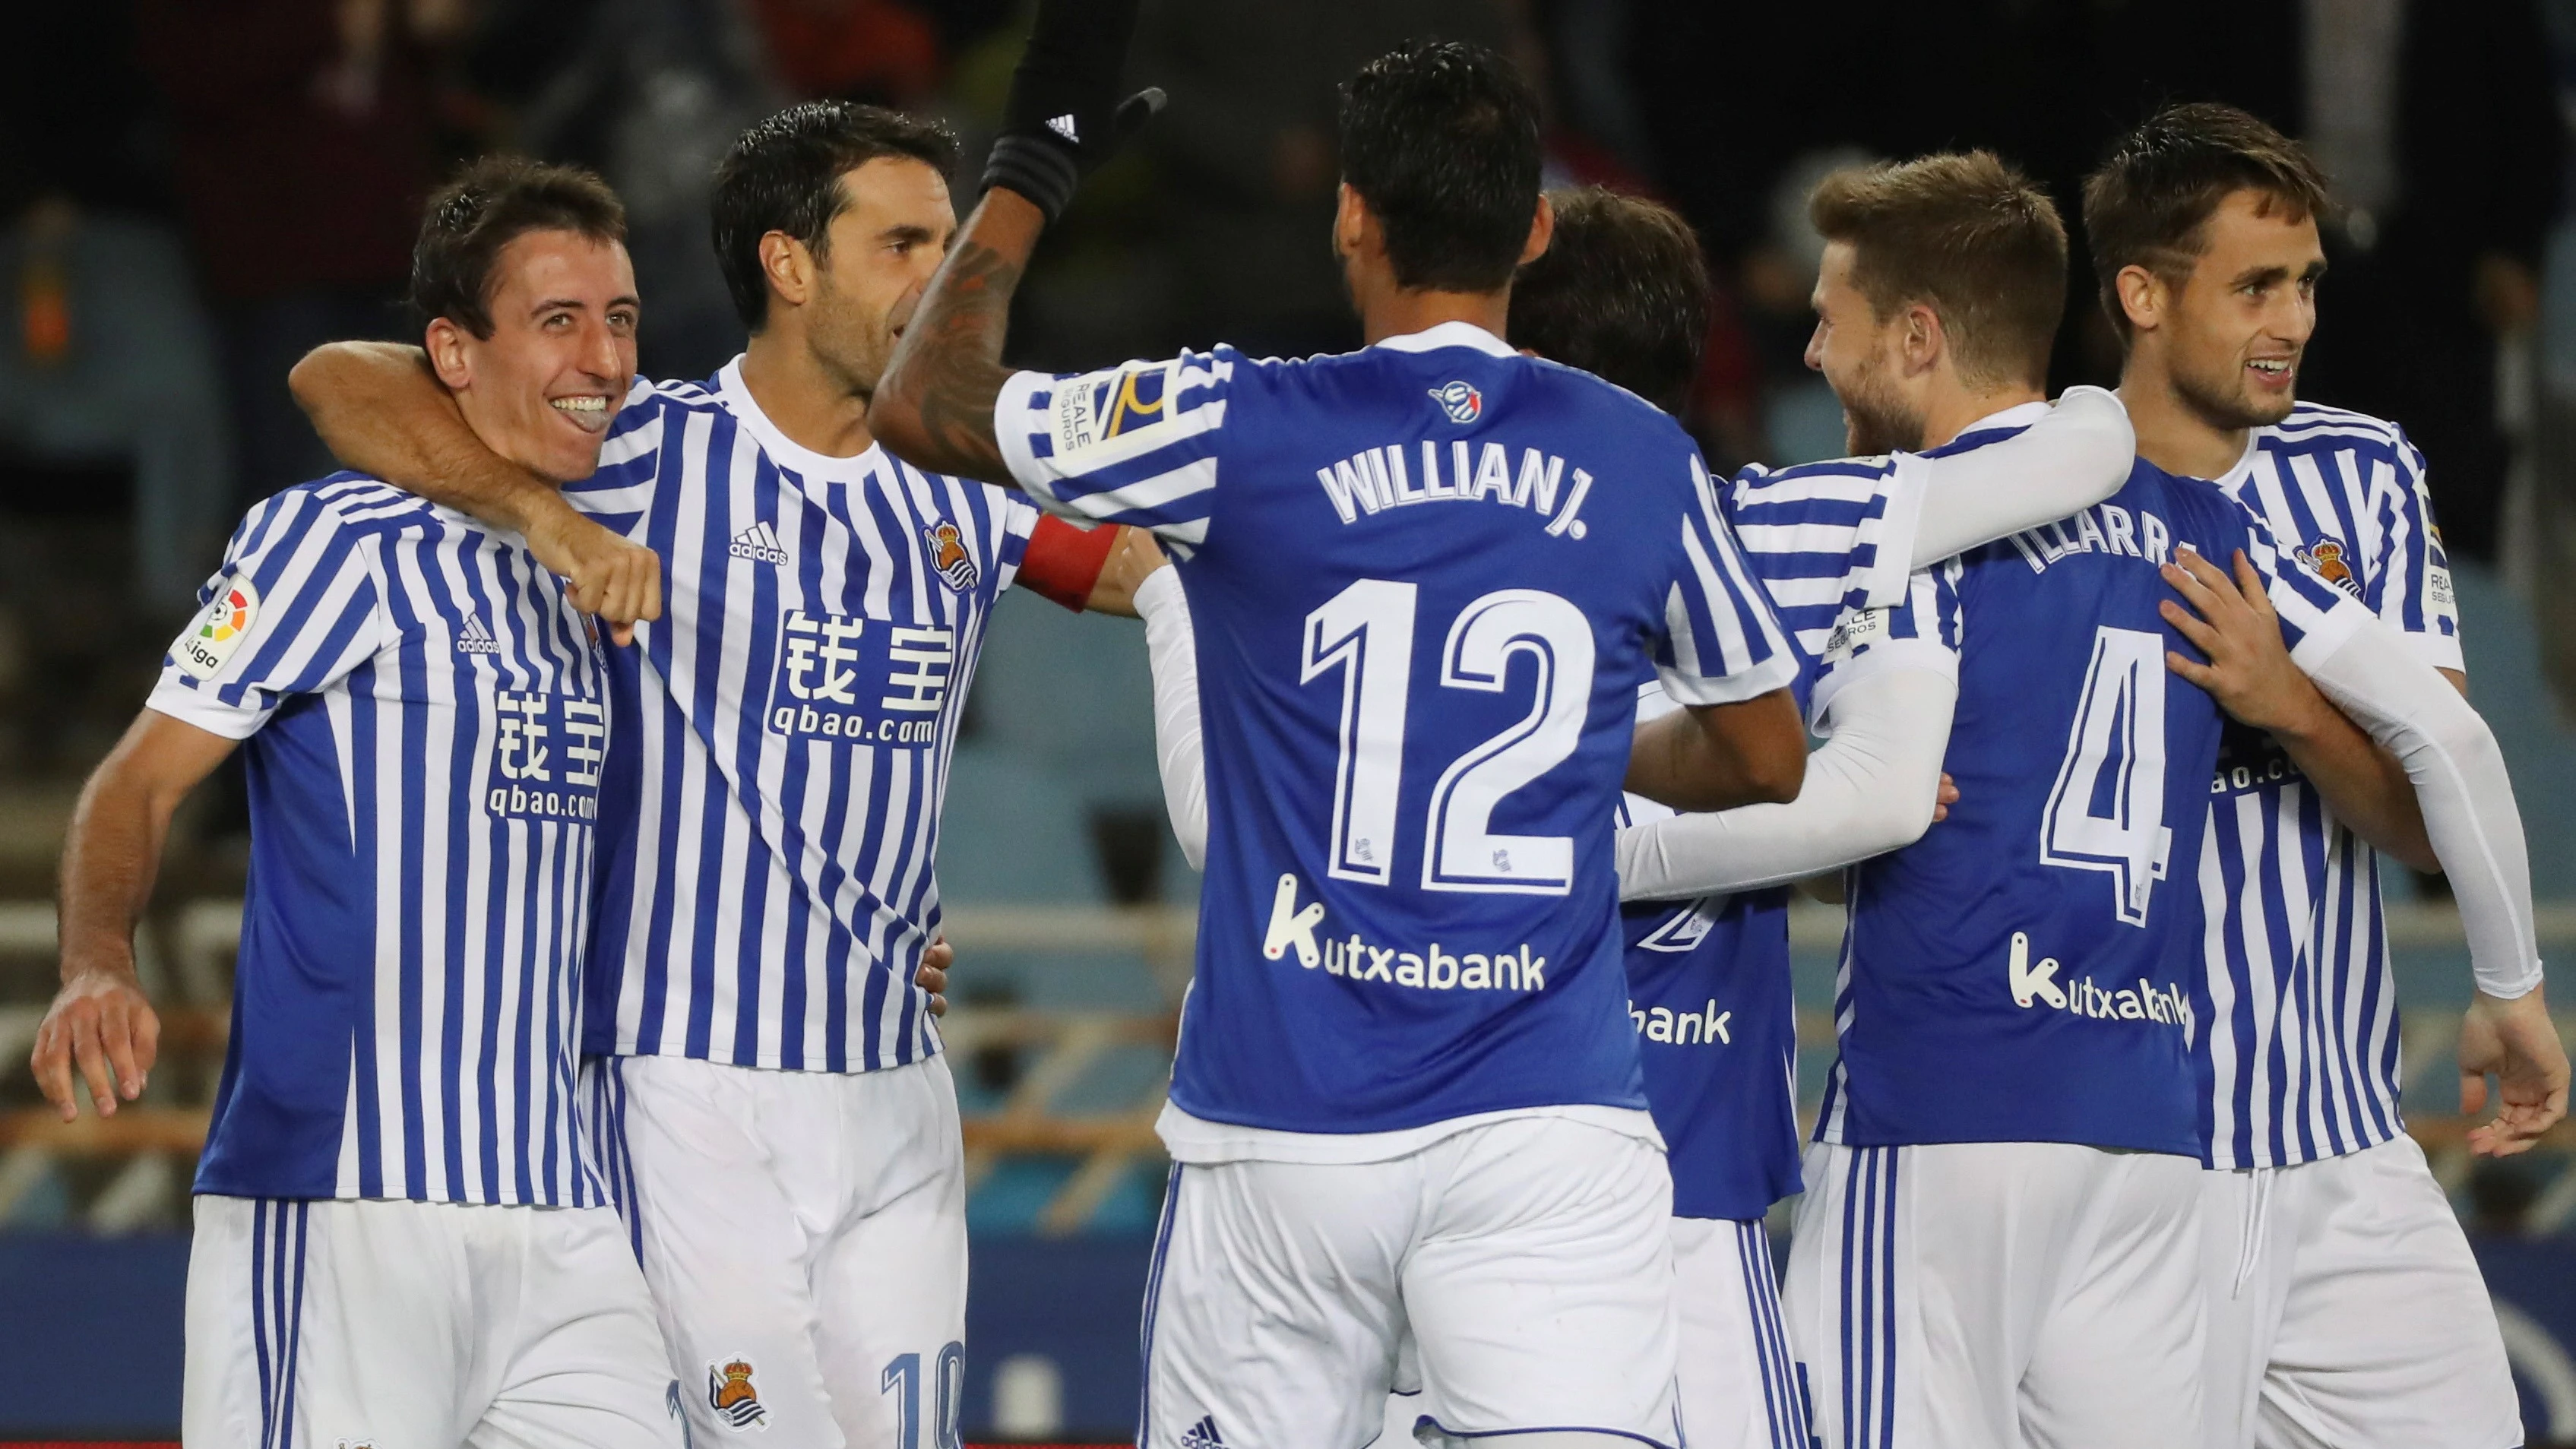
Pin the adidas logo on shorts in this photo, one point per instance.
(1203, 1435)
(758, 543)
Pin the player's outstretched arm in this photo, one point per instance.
(2252, 676)
(934, 408)
(381, 412)
(1873, 788)
(2066, 462)
(100, 1024)
(1720, 756)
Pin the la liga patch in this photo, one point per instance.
(202, 650)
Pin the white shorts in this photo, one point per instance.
(419, 1325)
(1992, 1295)
(1738, 1387)
(2345, 1310)
(1527, 1259)
(804, 1234)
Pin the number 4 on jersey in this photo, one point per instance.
(2107, 810)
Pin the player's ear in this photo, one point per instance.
(1542, 231)
(1350, 221)
(1921, 339)
(2143, 297)
(789, 267)
(444, 341)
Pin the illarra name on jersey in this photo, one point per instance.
(2021, 972)
(1416, 718)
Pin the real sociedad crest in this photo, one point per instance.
(949, 556)
(1460, 401)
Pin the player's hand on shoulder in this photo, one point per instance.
(609, 575)
(1944, 798)
(2232, 623)
(933, 974)
(1132, 560)
(102, 1027)
(2517, 1042)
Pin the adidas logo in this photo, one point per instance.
(758, 542)
(476, 639)
(1063, 126)
(1203, 1435)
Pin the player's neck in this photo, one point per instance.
(1954, 411)
(815, 409)
(1395, 312)
(2172, 434)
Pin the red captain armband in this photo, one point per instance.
(1063, 562)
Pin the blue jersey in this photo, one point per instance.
(426, 729)
(2300, 1061)
(2023, 972)
(1427, 579)
(771, 816)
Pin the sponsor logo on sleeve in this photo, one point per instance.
(1129, 406)
(202, 650)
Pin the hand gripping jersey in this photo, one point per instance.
(2020, 973)
(426, 727)
(2300, 1059)
(1427, 580)
(771, 814)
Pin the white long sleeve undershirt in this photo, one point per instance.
(1171, 651)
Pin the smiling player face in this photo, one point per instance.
(542, 388)
(2240, 321)
(884, 245)
(1859, 354)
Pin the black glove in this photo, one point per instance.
(1065, 116)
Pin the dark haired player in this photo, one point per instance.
(2344, 1305)
(1622, 291)
(1429, 578)
(401, 1235)
(779, 1124)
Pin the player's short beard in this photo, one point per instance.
(2228, 408)
(1875, 418)
(852, 341)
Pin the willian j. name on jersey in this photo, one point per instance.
(871, 681)
(1374, 480)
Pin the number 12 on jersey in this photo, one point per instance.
(1366, 633)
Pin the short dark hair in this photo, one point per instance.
(2147, 203)
(1441, 139)
(784, 175)
(1621, 292)
(1967, 235)
(489, 204)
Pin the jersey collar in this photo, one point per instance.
(784, 451)
(2019, 415)
(1449, 334)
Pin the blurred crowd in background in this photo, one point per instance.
(193, 192)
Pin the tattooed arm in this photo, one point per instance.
(934, 408)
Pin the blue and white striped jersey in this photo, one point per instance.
(2021, 973)
(426, 724)
(1427, 578)
(2301, 1058)
(771, 812)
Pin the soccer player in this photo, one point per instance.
(1429, 577)
(1622, 292)
(402, 1236)
(779, 1124)
(1999, 1238)
(2344, 1305)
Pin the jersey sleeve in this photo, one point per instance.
(1720, 641)
(1922, 629)
(620, 494)
(293, 608)
(2410, 589)
(1136, 444)
(1825, 538)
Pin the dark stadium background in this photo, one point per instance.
(192, 192)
